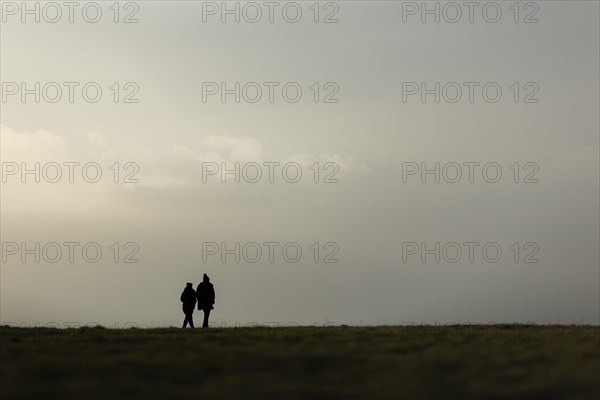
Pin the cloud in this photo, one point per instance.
(176, 165)
(328, 164)
(41, 146)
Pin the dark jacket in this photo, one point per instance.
(205, 293)
(188, 298)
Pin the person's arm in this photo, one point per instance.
(181, 297)
(198, 297)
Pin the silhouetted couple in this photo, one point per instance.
(204, 295)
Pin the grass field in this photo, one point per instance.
(395, 362)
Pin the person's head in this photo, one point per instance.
(189, 284)
(205, 278)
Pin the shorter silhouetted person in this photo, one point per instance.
(205, 293)
(188, 298)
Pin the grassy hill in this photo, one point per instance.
(395, 362)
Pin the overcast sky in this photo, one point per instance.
(363, 61)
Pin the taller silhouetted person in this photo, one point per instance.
(188, 298)
(205, 292)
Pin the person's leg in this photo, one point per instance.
(191, 320)
(185, 321)
(206, 314)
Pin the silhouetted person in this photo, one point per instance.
(188, 298)
(205, 292)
